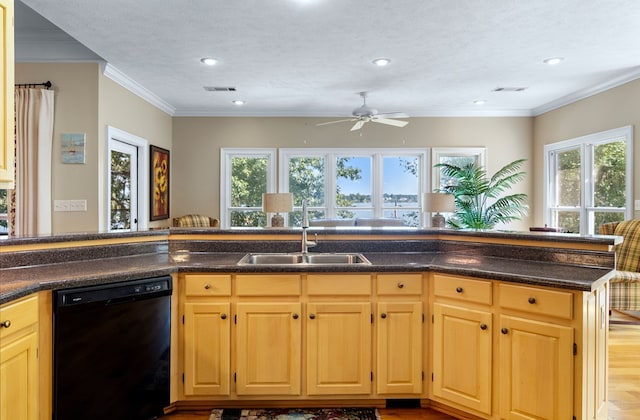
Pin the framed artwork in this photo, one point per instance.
(159, 177)
(72, 148)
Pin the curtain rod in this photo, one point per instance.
(46, 84)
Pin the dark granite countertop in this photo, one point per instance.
(21, 281)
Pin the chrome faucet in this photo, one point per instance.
(306, 244)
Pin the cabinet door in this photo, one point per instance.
(6, 95)
(536, 369)
(207, 348)
(19, 378)
(339, 348)
(399, 348)
(269, 348)
(462, 356)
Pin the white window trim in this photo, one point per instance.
(377, 155)
(623, 133)
(143, 176)
(226, 154)
(479, 152)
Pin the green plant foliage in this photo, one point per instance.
(480, 203)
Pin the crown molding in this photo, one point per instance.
(585, 93)
(440, 112)
(134, 87)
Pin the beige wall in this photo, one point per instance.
(197, 142)
(86, 102)
(614, 108)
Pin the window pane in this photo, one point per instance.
(307, 180)
(460, 161)
(409, 217)
(569, 221)
(4, 227)
(609, 174)
(400, 185)
(353, 184)
(606, 217)
(120, 190)
(248, 181)
(568, 178)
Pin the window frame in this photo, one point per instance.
(586, 144)
(480, 153)
(226, 155)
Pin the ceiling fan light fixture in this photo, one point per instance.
(209, 61)
(480, 102)
(238, 102)
(381, 62)
(552, 61)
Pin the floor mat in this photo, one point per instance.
(296, 414)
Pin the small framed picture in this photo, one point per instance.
(72, 148)
(159, 177)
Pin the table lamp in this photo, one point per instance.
(277, 203)
(437, 203)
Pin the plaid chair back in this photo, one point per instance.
(195, 220)
(628, 252)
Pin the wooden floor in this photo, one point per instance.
(624, 380)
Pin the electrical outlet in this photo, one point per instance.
(77, 205)
(637, 205)
(60, 205)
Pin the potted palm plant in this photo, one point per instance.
(480, 203)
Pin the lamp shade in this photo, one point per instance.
(277, 202)
(438, 203)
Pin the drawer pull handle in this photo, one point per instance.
(483, 327)
(532, 300)
(459, 289)
(504, 331)
(207, 286)
(295, 316)
(312, 316)
(223, 316)
(6, 324)
(400, 285)
(383, 315)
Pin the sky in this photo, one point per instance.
(396, 179)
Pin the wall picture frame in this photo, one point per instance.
(160, 183)
(72, 148)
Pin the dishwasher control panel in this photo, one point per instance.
(114, 292)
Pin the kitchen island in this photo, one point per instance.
(444, 317)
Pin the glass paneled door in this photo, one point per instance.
(123, 191)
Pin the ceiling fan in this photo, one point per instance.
(365, 114)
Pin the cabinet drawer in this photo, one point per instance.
(399, 284)
(537, 301)
(19, 314)
(268, 285)
(207, 284)
(461, 288)
(339, 284)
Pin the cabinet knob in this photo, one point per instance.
(295, 316)
(400, 285)
(504, 331)
(383, 315)
(483, 327)
(459, 289)
(207, 286)
(5, 324)
(532, 300)
(312, 316)
(223, 316)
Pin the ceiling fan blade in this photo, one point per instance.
(392, 115)
(338, 121)
(389, 121)
(357, 126)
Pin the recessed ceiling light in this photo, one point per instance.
(381, 62)
(553, 61)
(238, 102)
(209, 61)
(480, 102)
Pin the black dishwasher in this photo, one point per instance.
(111, 350)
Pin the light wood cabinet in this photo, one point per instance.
(19, 373)
(7, 156)
(462, 342)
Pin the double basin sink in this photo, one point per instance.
(304, 259)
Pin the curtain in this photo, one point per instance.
(30, 212)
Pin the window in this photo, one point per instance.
(246, 175)
(4, 222)
(349, 183)
(459, 156)
(588, 180)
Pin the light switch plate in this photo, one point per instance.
(637, 205)
(77, 205)
(60, 205)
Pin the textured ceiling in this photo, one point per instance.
(312, 57)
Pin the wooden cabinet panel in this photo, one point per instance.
(399, 284)
(207, 348)
(464, 289)
(339, 348)
(536, 300)
(462, 354)
(536, 369)
(6, 95)
(19, 314)
(268, 354)
(268, 285)
(338, 284)
(399, 348)
(207, 284)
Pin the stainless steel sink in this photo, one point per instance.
(304, 259)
